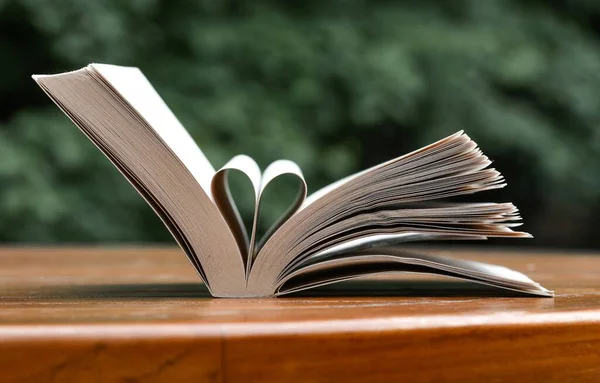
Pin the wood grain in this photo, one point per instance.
(139, 314)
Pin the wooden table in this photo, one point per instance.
(139, 314)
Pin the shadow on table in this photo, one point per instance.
(407, 288)
(356, 288)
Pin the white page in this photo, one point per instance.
(225, 202)
(134, 87)
(396, 260)
(94, 104)
(274, 170)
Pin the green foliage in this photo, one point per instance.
(335, 86)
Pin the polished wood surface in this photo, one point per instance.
(139, 314)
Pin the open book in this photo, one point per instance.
(349, 229)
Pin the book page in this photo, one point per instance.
(385, 260)
(155, 159)
(273, 171)
(333, 186)
(397, 198)
(225, 202)
(133, 86)
(381, 240)
(249, 245)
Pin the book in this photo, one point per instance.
(349, 229)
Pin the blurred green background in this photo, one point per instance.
(334, 85)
